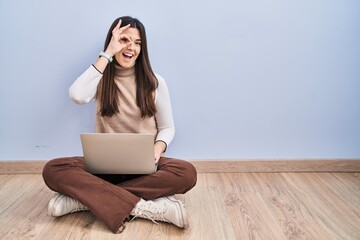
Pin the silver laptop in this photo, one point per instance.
(118, 153)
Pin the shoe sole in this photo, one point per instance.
(183, 213)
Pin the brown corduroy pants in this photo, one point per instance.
(111, 198)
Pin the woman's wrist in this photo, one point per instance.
(161, 145)
(107, 56)
(110, 52)
(101, 64)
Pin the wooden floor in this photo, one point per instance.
(221, 206)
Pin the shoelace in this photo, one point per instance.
(151, 212)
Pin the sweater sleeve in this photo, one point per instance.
(83, 90)
(164, 117)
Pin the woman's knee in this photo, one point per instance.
(190, 174)
(52, 166)
(185, 171)
(55, 169)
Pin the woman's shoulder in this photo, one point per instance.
(161, 89)
(159, 77)
(161, 80)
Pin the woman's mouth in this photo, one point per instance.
(128, 56)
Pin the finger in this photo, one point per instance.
(124, 27)
(119, 23)
(117, 26)
(124, 38)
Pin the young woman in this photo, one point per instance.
(130, 97)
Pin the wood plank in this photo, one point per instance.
(293, 216)
(349, 191)
(236, 182)
(207, 211)
(351, 180)
(250, 218)
(216, 166)
(25, 199)
(334, 214)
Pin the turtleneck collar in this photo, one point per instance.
(123, 72)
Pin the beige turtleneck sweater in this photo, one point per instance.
(83, 90)
(129, 119)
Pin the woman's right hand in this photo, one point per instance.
(118, 40)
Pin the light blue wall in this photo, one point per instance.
(248, 79)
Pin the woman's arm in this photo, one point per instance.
(83, 90)
(164, 117)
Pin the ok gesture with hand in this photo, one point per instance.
(118, 40)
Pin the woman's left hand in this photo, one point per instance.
(159, 148)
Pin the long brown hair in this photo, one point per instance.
(146, 82)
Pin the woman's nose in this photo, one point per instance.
(131, 46)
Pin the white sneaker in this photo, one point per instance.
(60, 205)
(165, 209)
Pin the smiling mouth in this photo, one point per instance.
(128, 56)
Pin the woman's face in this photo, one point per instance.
(128, 55)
